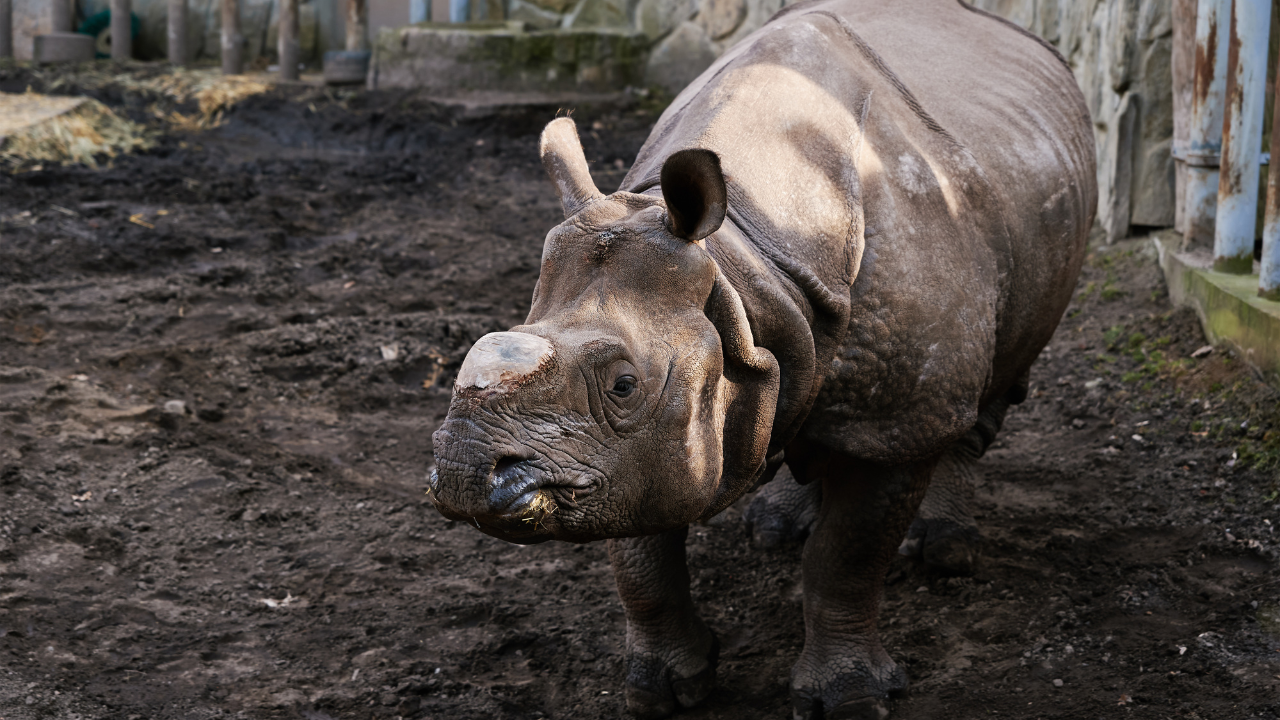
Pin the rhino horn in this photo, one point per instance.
(565, 162)
(693, 187)
(503, 360)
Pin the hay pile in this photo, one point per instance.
(37, 129)
(213, 92)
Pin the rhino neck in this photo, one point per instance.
(793, 313)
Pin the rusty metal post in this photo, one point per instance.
(357, 25)
(121, 30)
(178, 32)
(288, 45)
(6, 28)
(1269, 272)
(232, 40)
(62, 17)
(1237, 220)
(1204, 143)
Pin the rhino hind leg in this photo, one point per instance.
(844, 670)
(944, 535)
(783, 511)
(671, 654)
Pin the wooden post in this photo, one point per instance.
(6, 28)
(288, 46)
(178, 32)
(62, 18)
(357, 22)
(121, 30)
(232, 41)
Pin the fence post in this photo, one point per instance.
(357, 20)
(1237, 220)
(1204, 142)
(290, 50)
(61, 17)
(178, 32)
(6, 28)
(121, 30)
(1269, 272)
(232, 41)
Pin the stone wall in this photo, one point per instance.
(1121, 52)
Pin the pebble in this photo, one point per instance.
(175, 407)
(1057, 682)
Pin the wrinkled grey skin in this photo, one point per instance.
(844, 245)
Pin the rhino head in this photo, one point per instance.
(633, 399)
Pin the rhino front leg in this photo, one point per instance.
(844, 670)
(671, 654)
(782, 511)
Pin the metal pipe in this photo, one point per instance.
(1242, 137)
(1204, 142)
(232, 40)
(121, 30)
(1269, 272)
(417, 11)
(357, 21)
(178, 32)
(61, 16)
(288, 45)
(6, 28)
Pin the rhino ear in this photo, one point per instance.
(693, 186)
(749, 391)
(566, 164)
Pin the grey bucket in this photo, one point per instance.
(342, 67)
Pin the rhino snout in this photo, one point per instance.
(514, 486)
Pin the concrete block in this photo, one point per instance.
(454, 60)
(1229, 308)
(63, 47)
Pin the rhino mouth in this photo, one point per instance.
(524, 503)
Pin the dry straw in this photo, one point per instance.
(37, 128)
(43, 129)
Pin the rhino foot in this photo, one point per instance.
(784, 511)
(945, 546)
(857, 694)
(655, 688)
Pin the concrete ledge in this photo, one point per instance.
(452, 60)
(1228, 305)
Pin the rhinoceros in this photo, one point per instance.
(841, 247)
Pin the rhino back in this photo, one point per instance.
(930, 168)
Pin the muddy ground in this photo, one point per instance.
(221, 362)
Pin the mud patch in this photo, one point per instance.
(215, 434)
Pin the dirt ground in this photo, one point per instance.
(221, 363)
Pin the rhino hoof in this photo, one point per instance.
(654, 695)
(945, 546)
(860, 709)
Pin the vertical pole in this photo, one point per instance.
(357, 21)
(1242, 137)
(178, 32)
(61, 17)
(1269, 273)
(290, 49)
(1204, 143)
(232, 53)
(6, 28)
(121, 30)
(459, 11)
(417, 11)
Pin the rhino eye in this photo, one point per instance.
(624, 386)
